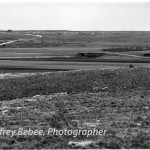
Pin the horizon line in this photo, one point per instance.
(74, 1)
(76, 30)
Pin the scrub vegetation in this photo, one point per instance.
(116, 100)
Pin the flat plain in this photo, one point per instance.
(38, 45)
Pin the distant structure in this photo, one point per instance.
(84, 54)
(9, 30)
(125, 49)
(146, 55)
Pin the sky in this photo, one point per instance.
(87, 15)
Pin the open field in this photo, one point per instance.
(116, 100)
(6, 36)
(24, 52)
(7, 66)
(49, 59)
(44, 44)
(79, 39)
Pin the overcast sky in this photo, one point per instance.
(110, 16)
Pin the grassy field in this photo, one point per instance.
(38, 62)
(7, 66)
(116, 100)
(4, 36)
(69, 43)
(26, 52)
(80, 39)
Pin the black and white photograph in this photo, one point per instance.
(74, 74)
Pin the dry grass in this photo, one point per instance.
(115, 100)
